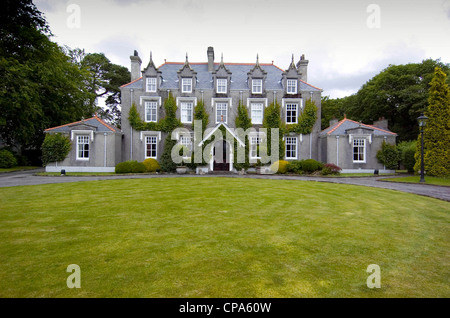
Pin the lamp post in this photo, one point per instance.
(422, 123)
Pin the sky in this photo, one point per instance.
(347, 42)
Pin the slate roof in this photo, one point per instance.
(341, 128)
(204, 78)
(99, 124)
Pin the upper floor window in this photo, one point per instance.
(151, 84)
(221, 86)
(186, 112)
(221, 112)
(291, 86)
(257, 113)
(359, 150)
(257, 86)
(291, 113)
(82, 147)
(186, 85)
(151, 112)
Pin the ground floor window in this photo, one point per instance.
(151, 147)
(291, 147)
(83, 147)
(254, 143)
(186, 141)
(359, 150)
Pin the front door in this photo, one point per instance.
(221, 162)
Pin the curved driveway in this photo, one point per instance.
(21, 178)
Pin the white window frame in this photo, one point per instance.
(254, 141)
(149, 107)
(221, 105)
(291, 86)
(186, 140)
(147, 143)
(222, 83)
(151, 85)
(188, 83)
(356, 143)
(83, 140)
(260, 85)
(186, 112)
(289, 105)
(257, 120)
(291, 141)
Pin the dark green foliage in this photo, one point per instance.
(437, 130)
(399, 93)
(388, 155)
(272, 119)
(7, 159)
(166, 162)
(103, 80)
(407, 149)
(131, 166)
(311, 165)
(55, 148)
(243, 121)
(295, 166)
(200, 113)
(40, 85)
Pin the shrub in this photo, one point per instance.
(330, 168)
(407, 150)
(388, 155)
(151, 165)
(282, 166)
(311, 165)
(55, 148)
(131, 166)
(295, 166)
(7, 159)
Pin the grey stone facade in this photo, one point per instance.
(238, 79)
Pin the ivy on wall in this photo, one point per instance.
(166, 124)
(306, 120)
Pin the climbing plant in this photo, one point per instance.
(306, 120)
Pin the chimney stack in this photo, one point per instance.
(302, 66)
(210, 59)
(381, 123)
(135, 66)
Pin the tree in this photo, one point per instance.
(272, 119)
(437, 129)
(40, 86)
(243, 121)
(399, 93)
(104, 81)
(388, 155)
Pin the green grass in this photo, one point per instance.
(221, 237)
(17, 168)
(416, 179)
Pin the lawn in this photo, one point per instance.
(416, 179)
(221, 237)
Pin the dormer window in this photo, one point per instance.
(151, 85)
(186, 85)
(221, 86)
(291, 86)
(257, 86)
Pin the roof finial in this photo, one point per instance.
(221, 59)
(187, 62)
(292, 62)
(257, 59)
